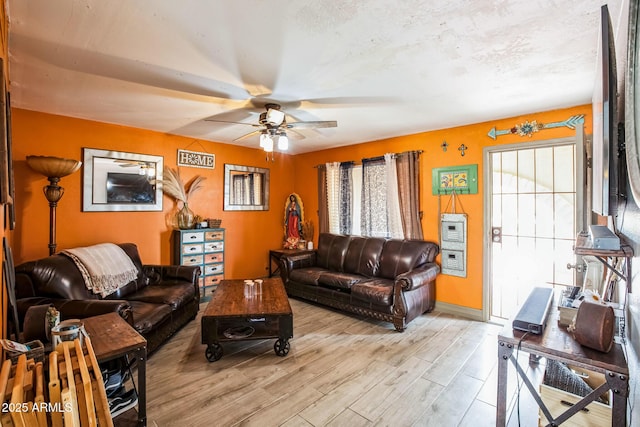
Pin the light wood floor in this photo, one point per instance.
(342, 370)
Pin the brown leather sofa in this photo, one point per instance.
(387, 279)
(161, 300)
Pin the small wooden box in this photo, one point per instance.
(596, 414)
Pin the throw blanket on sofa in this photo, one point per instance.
(104, 267)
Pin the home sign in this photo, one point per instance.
(196, 159)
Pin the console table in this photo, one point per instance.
(276, 254)
(556, 343)
(112, 337)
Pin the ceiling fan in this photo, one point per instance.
(273, 124)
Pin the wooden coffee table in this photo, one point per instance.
(231, 316)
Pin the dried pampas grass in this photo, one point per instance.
(307, 230)
(172, 185)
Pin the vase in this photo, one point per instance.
(185, 217)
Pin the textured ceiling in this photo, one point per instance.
(377, 67)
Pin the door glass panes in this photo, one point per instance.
(526, 215)
(564, 172)
(544, 164)
(544, 215)
(526, 171)
(534, 204)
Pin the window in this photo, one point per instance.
(368, 199)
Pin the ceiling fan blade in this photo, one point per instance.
(233, 123)
(313, 125)
(255, 132)
(180, 83)
(295, 135)
(346, 101)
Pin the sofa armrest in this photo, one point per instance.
(79, 309)
(158, 274)
(289, 263)
(418, 277)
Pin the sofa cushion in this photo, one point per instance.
(175, 294)
(376, 291)
(363, 256)
(307, 275)
(336, 280)
(400, 256)
(147, 316)
(332, 249)
(55, 276)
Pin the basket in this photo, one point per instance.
(67, 330)
(214, 223)
(36, 352)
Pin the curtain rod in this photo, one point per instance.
(374, 158)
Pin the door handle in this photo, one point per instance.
(496, 234)
(579, 267)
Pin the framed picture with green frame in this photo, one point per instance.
(459, 179)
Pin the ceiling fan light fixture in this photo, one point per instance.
(268, 143)
(275, 117)
(283, 142)
(263, 139)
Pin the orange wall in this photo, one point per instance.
(249, 235)
(454, 290)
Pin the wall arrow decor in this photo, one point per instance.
(529, 128)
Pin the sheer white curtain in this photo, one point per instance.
(374, 198)
(246, 190)
(333, 193)
(393, 201)
(356, 200)
(257, 189)
(238, 188)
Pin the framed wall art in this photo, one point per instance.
(461, 179)
(246, 188)
(119, 181)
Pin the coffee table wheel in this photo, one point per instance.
(213, 352)
(282, 347)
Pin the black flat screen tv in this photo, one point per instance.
(605, 129)
(129, 188)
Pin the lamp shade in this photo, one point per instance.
(268, 144)
(53, 166)
(283, 142)
(263, 138)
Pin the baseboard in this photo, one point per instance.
(458, 310)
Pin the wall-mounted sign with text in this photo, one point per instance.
(196, 159)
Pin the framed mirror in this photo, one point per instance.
(246, 188)
(119, 181)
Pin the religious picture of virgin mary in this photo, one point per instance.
(293, 218)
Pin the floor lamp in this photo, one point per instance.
(53, 168)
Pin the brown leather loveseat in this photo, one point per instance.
(387, 279)
(161, 300)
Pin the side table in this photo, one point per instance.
(557, 344)
(276, 254)
(112, 337)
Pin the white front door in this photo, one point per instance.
(533, 220)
